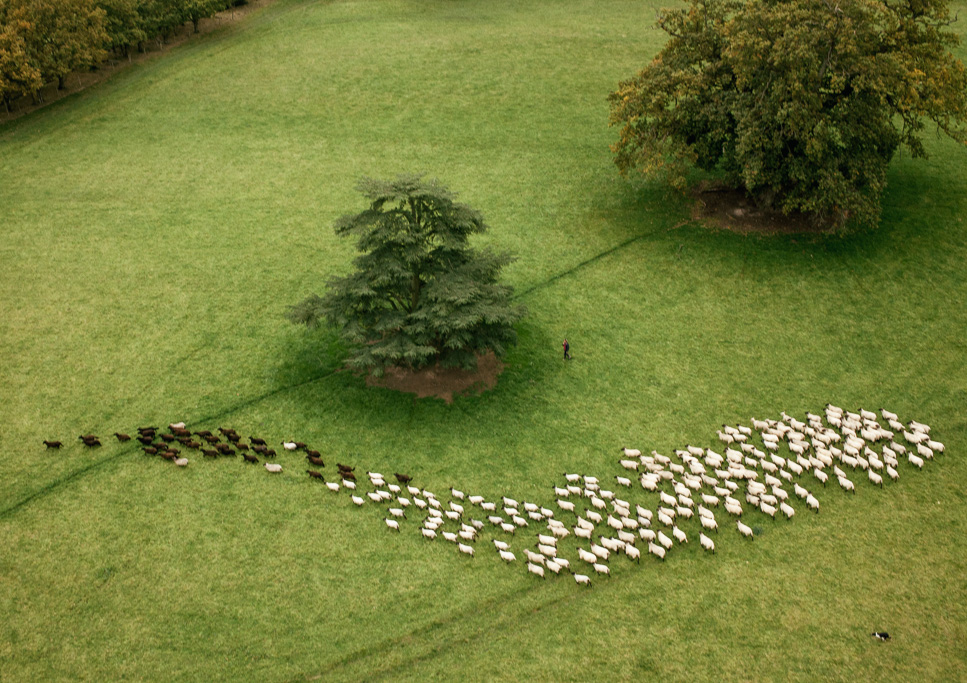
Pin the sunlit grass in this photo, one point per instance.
(157, 227)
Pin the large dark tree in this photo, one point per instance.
(419, 293)
(801, 102)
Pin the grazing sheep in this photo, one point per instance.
(875, 478)
(428, 533)
(679, 535)
(392, 524)
(706, 542)
(787, 510)
(507, 556)
(588, 557)
(664, 540)
(743, 529)
(58, 444)
(846, 484)
(821, 476)
(535, 569)
(465, 549)
(657, 551)
(273, 467)
(632, 552)
(812, 503)
(332, 486)
(893, 474)
(508, 528)
(709, 523)
(582, 580)
(601, 568)
(581, 532)
(547, 550)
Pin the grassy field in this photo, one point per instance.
(157, 226)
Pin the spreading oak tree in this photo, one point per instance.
(419, 294)
(800, 102)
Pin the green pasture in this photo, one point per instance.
(156, 227)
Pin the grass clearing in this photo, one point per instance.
(158, 225)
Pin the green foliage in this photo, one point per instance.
(419, 293)
(17, 75)
(64, 35)
(801, 102)
(123, 24)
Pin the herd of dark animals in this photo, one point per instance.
(154, 441)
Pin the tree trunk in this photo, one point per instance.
(415, 287)
(61, 81)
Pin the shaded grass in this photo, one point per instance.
(159, 225)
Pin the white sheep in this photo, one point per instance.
(632, 552)
(787, 510)
(646, 534)
(428, 533)
(709, 523)
(600, 551)
(536, 558)
(706, 542)
(846, 484)
(465, 549)
(875, 478)
(664, 540)
(679, 535)
(656, 550)
(535, 569)
(183, 462)
(500, 545)
(812, 503)
(593, 516)
(768, 509)
(273, 467)
(508, 528)
(743, 529)
(547, 550)
(582, 580)
(334, 486)
(506, 555)
(392, 523)
(602, 568)
(586, 556)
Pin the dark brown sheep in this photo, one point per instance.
(203, 433)
(150, 450)
(402, 478)
(257, 441)
(250, 458)
(53, 444)
(315, 461)
(314, 474)
(122, 437)
(209, 452)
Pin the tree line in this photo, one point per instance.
(42, 41)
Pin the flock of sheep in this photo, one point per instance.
(655, 504)
(659, 501)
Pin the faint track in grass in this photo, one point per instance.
(57, 484)
(465, 631)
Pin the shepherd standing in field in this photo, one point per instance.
(567, 350)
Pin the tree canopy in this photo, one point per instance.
(801, 102)
(419, 293)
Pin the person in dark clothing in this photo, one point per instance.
(567, 350)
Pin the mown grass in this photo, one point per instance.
(157, 226)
